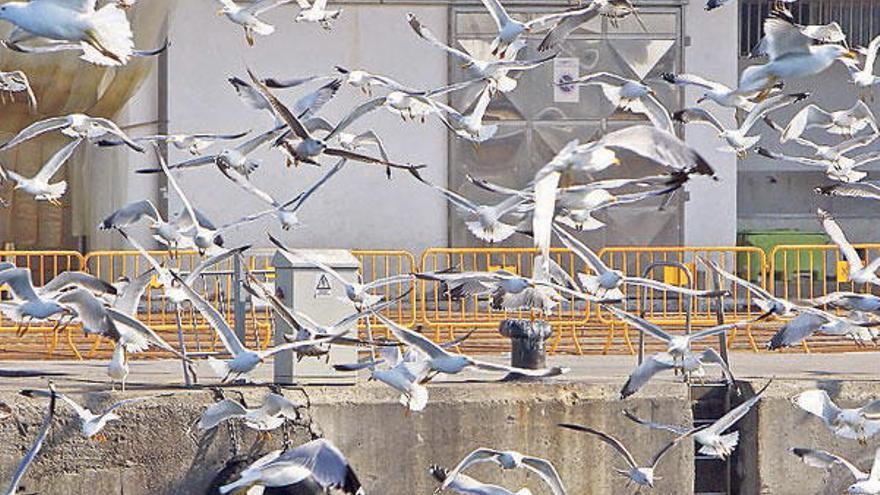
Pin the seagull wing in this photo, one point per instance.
(698, 116)
(499, 15)
(871, 58)
(36, 129)
(825, 460)
(266, 5)
(188, 208)
(35, 447)
(79, 279)
(710, 355)
(57, 160)
(503, 368)
(297, 202)
(708, 332)
(693, 80)
(476, 457)
(736, 414)
(128, 300)
(809, 116)
(795, 331)
(678, 430)
(547, 472)
(20, 283)
(214, 318)
(817, 403)
(243, 182)
(280, 110)
(658, 146)
(255, 142)
(655, 111)
(753, 288)
(640, 324)
(644, 372)
(457, 200)
(769, 105)
(357, 113)
(130, 214)
(581, 250)
(865, 189)
(214, 261)
(665, 450)
(217, 413)
(413, 339)
(321, 266)
(313, 102)
(839, 238)
(567, 25)
(610, 440)
(114, 129)
(426, 34)
(783, 38)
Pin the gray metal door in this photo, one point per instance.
(537, 119)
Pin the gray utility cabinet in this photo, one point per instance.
(308, 290)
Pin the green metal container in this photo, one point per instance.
(766, 240)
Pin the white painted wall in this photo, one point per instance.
(710, 215)
(359, 208)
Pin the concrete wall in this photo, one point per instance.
(157, 450)
(710, 214)
(359, 208)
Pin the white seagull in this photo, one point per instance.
(91, 424)
(738, 140)
(35, 448)
(858, 272)
(39, 186)
(865, 484)
(15, 82)
(510, 29)
(104, 34)
(442, 361)
(508, 460)
(195, 144)
(720, 94)
(247, 17)
(692, 365)
(74, 126)
(711, 440)
(466, 485)
(318, 462)
(629, 95)
(402, 372)
(846, 122)
(642, 476)
(272, 413)
(853, 423)
(317, 12)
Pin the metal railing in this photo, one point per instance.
(793, 272)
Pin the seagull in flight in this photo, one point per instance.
(243, 360)
(442, 361)
(314, 467)
(642, 476)
(15, 82)
(712, 442)
(865, 483)
(629, 95)
(466, 485)
(272, 413)
(716, 92)
(35, 448)
(738, 140)
(858, 272)
(846, 122)
(39, 186)
(317, 12)
(691, 366)
(194, 144)
(607, 282)
(247, 17)
(853, 424)
(511, 30)
(91, 423)
(76, 126)
(508, 460)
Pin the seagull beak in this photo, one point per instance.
(220, 12)
(851, 54)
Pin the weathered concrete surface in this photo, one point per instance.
(156, 450)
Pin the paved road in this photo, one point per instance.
(90, 375)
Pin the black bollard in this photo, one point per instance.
(527, 344)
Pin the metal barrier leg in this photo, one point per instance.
(187, 380)
(72, 345)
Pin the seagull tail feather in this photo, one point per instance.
(110, 40)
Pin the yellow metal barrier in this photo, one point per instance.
(802, 272)
(378, 264)
(668, 308)
(44, 266)
(445, 315)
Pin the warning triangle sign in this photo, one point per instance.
(323, 283)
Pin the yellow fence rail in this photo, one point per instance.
(797, 273)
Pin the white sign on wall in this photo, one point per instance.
(322, 286)
(565, 69)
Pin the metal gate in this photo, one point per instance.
(535, 120)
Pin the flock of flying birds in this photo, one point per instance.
(557, 202)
